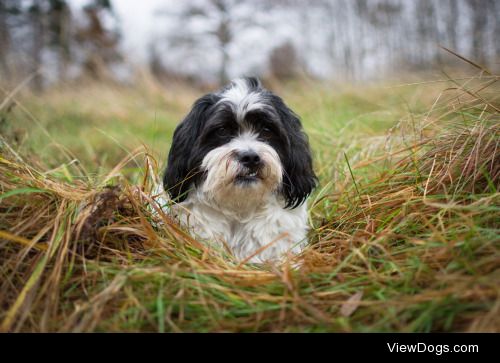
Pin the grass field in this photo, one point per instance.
(405, 223)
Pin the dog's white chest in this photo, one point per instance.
(266, 234)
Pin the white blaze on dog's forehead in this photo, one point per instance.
(246, 141)
(242, 98)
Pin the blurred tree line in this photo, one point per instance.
(353, 39)
(215, 40)
(45, 37)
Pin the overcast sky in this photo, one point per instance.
(138, 22)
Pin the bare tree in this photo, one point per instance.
(60, 33)
(479, 23)
(36, 17)
(223, 21)
(451, 24)
(99, 43)
(224, 35)
(4, 37)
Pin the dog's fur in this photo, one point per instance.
(240, 170)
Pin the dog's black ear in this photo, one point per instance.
(179, 173)
(299, 179)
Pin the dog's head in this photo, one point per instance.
(240, 144)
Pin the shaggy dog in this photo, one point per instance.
(240, 170)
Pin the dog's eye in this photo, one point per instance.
(222, 131)
(266, 132)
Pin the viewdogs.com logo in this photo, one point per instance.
(437, 349)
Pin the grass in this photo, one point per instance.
(405, 224)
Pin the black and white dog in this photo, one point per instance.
(240, 170)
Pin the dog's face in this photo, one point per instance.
(238, 146)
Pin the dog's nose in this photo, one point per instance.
(249, 159)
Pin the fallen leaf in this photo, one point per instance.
(351, 304)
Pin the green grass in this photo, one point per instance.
(405, 223)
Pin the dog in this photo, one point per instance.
(240, 171)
